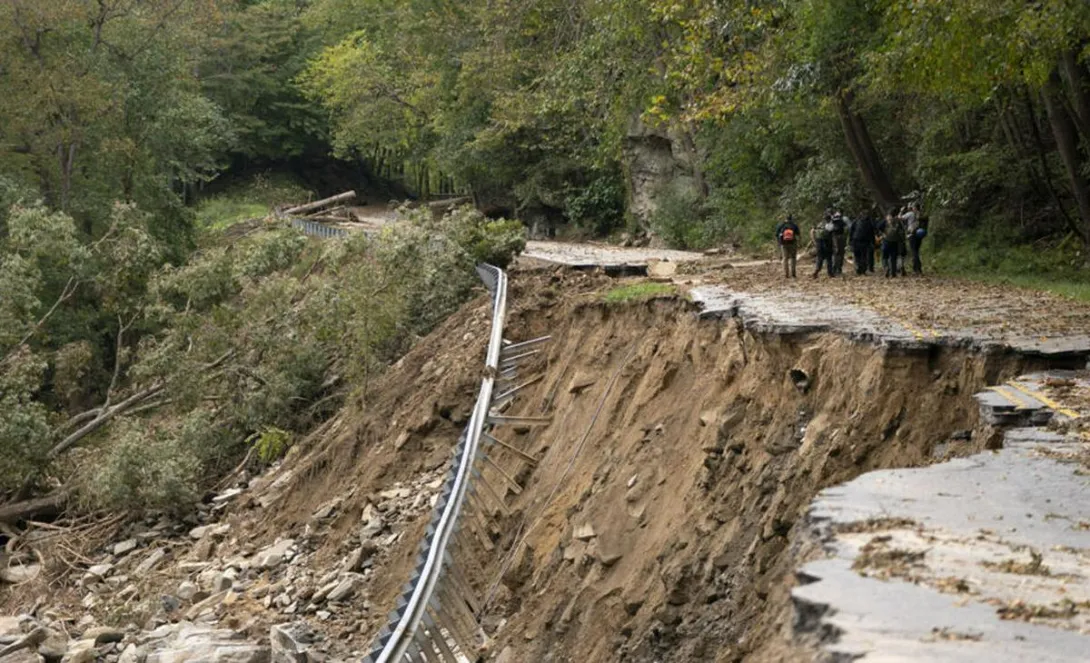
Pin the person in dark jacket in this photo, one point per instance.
(822, 236)
(788, 237)
(861, 235)
(840, 242)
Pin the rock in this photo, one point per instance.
(100, 570)
(53, 646)
(275, 555)
(214, 530)
(131, 654)
(290, 642)
(186, 641)
(103, 634)
(322, 593)
(82, 652)
(346, 587)
(202, 551)
(226, 495)
(126, 546)
(221, 583)
(661, 268)
(402, 440)
(150, 562)
(20, 573)
(584, 532)
(352, 562)
(187, 590)
(507, 655)
(581, 381)
(11, 627)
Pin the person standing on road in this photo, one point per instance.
(787, 236)
(822, 237)
(893, 238)
(840, 242)
(861, 235)
(916, 227)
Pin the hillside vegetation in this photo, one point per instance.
(147, 319)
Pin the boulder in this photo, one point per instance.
(186, 641)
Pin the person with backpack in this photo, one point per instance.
(861, 236)
(822, 237)
(916, 228)
(893, 239)
(840, 242)
(787, 236)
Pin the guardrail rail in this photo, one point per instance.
(436, 616)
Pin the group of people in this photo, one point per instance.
(897, 235)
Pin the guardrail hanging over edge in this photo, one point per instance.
(425, 623)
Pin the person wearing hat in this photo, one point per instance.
(787, 236)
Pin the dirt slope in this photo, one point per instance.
(682, 450)
(690, 451)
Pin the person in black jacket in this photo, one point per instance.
(861, 234)
(787, 236)
(840, 242)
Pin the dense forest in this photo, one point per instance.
(134, 325)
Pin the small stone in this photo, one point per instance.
(346, 587)
(100, 570)
(324, 615)
(218, 529)
(222, 583)
(53, 646)
(126, 546)
(83, 652)
(275, 555)
(103, 634)
(129, 655)
(632, 481)
(581, 381)
(150, 562)
(352, 562)
(584, 532)
(226, 495)
(187, 590)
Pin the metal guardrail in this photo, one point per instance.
(425, 621)
(435, 618)
(316, 229)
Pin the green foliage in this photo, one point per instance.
(684, 220)
(270, 443)
(638, 292)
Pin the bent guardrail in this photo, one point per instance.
(435, 618)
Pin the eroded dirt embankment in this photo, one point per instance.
(658, 525)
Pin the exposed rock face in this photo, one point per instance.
(654, 159)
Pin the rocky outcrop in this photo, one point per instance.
(655, 159)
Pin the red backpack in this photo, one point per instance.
(788, 235)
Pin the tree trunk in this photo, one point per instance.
(1067, 141)
(319, 204)
(1076, 79)
(50, 505)
(864, 152)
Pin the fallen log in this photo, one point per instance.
(333, 211)
(38, 507)
(319, 204)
